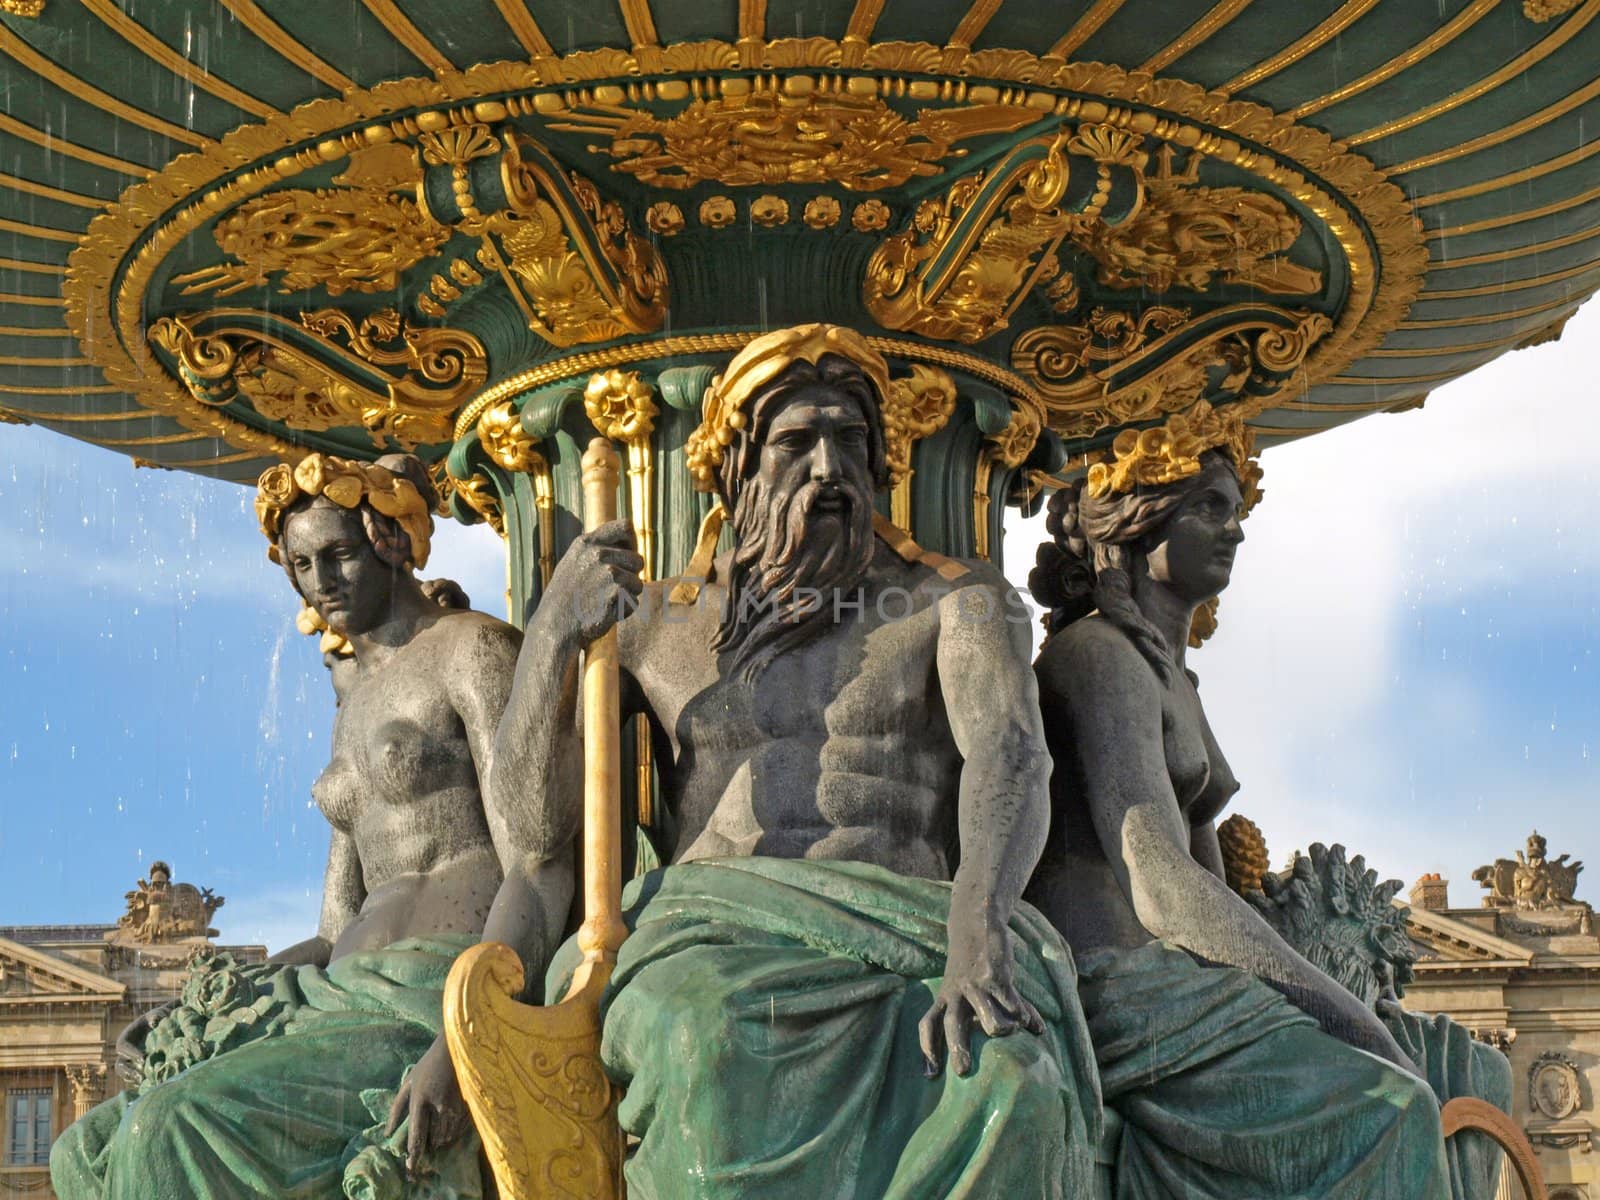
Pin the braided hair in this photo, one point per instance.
(1096, 543)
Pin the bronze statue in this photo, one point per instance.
(336, 1021)
(1204, 1019)
(854, 780)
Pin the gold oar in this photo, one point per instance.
(532, 1076)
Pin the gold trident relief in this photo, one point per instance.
(532, 1077)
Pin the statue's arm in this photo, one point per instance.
(991, 702)
(343, 893)
(534, 791)
(1102, 689)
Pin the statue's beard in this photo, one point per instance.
(792, 563)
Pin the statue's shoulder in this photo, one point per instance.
(466, 631)
(1091, 655)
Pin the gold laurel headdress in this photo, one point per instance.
(723, 411)
(346, 482)
(1170, 452)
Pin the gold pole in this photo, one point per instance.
(602, 931)
(532, 1077)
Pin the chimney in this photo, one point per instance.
(1431, 893)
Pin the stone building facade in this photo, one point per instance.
(1521, 969)
(66, 991)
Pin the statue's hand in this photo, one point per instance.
(588, 587)
(977, 982)
(130, 1043)
(431, 1097)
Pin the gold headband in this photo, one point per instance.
(1170, 452)
(722, 413)
(346, 482)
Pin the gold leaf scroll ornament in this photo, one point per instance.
(333, 375)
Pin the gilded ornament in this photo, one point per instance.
(621, 406)
(1109, 144)
(478, 495)
(970, 258)
(347, 483)
(1193, 237)
(1204, 623)
(579, 271)
(1171, 451)
(22, 8)
(664, 218)
(774, 136)
(384, 167)
(916, 407)
(506, 442)
(343, 241)
(125, 248)
(717, 212)
(769, 211)
(821, 212)
(307, 382)
(869, 216)
(1244, 850)
(1535, 10)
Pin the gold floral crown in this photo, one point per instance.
(1170, 452)
(346, 482)
(723, 415)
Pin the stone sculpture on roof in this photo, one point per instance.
(1534, 881)
(161, 911)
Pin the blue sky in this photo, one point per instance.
(1407, 659)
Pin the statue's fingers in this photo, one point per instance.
(1026, 1014)
(994, 1020)
(626, 579)
(417, 1141)
(930, 1033)
(612, 533)
(449, 1124)
(398, 1110)
(958, 1037)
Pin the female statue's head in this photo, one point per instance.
(1167, 508)
(348, 532)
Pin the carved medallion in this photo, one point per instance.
(1555, 1091)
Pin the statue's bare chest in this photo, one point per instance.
(393, 741)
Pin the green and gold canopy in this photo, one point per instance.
(236, 231)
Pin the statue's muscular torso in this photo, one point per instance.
(843, 751)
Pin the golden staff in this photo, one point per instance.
(532, 1076)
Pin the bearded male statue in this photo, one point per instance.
(853, 767)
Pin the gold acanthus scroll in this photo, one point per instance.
(532, 1077)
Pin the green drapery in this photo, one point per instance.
(273, 1083)
(1458, 1066)
(1228, 1091)
(763, 1019)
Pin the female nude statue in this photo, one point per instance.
(1234, 1062)
(286, 1079)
